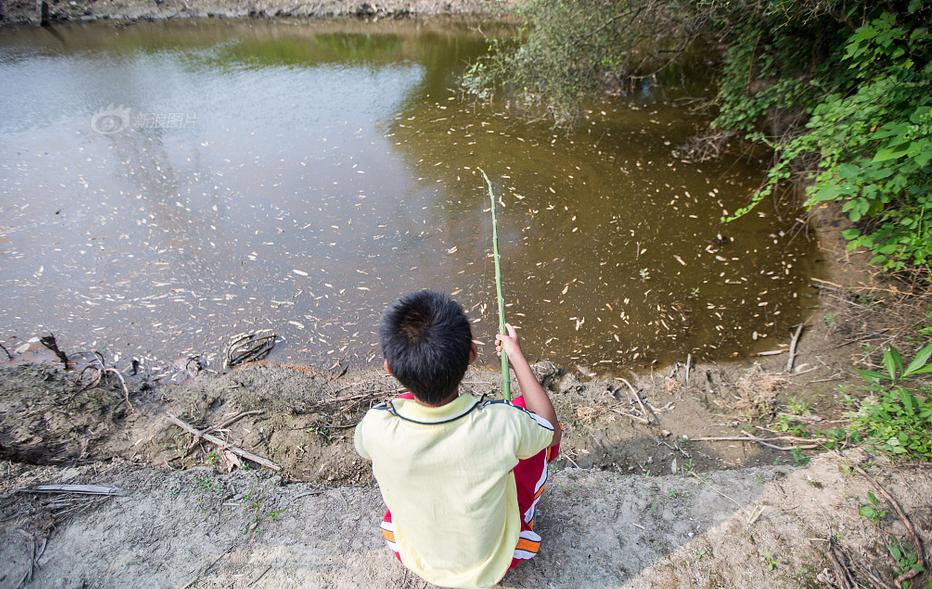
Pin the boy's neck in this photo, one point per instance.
(449, 399)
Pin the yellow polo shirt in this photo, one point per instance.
(446, 475)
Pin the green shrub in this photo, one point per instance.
(876, 144)
(871, 133)
(897, 418)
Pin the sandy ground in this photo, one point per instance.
(753, 527)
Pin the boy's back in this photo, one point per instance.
(461, 477)
(446, 475)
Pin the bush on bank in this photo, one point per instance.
(840, 90)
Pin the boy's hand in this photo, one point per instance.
(535, 398)
(509, 342)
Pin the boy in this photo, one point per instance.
(461, 477)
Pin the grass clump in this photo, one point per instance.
(896, 419)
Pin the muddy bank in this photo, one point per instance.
(302, 419)
(27, 11)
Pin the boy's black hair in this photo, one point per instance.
(426, 340)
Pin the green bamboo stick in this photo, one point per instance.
(506, 374)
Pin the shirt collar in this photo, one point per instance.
(411, 409)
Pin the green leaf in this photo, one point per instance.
(920, 361)
(920, 151)
(892, 360)
(827, 192)
(889, 130)
(895, 551)
(907, 400)
(872, 376)
(888, 153)
(848, 171)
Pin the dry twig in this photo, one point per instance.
(248, 347)
(224, 445)
(79, 489)
(49, 342)
(793, 343)
(103, 369)
(648, 414)
(764, 441)
(917, 540)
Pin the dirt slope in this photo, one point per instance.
(754, 527)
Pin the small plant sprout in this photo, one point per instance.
(798, 406)
(276, 515)
(645, 274)
(799, 457)
(870, 510)
(907, 560)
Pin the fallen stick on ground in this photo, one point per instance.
(768, 353)
(631, 415)
(217, 428)
(80, 489)
(649, 415)
(917, 540)
(215, 440)
(343, 426)
(795, 340)
(743, 508)
(353, 400)
(840, 570)
(761, 441)
(228, 422)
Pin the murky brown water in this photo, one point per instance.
(299, 177)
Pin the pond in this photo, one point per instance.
(167, 185)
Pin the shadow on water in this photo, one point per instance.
(300, 176)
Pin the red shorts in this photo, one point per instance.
(530, 479)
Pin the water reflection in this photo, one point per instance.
(321, 170)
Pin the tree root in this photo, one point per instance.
(103, 369)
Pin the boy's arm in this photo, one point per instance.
(535, 398)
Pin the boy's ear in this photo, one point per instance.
(473, 352)
(387, 369)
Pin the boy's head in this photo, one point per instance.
(427, 343)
